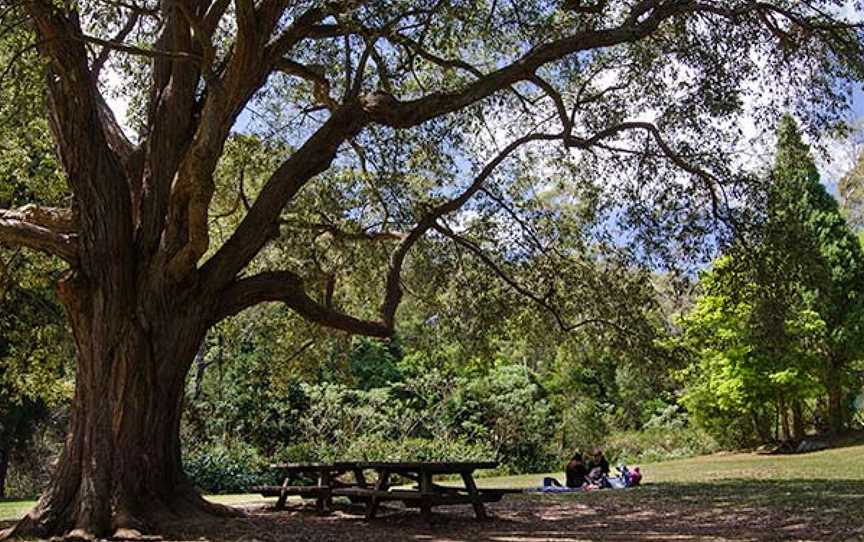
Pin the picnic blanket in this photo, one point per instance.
(624, 480)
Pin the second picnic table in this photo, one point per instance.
(426, 495)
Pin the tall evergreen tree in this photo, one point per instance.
(806, 222)
(785, 308)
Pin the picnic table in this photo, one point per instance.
(325, 474)
(427, 494)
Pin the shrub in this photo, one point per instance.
(584, 426)
(371, 448)
(227, 468)
(507, 408)
(658, 444)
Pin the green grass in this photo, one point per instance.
(830, 481)
(824, 490)
(12, 510)
(846, 463)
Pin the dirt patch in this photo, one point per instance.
(532, 518)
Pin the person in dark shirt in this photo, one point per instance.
(575, 471)
(598, 460)
(598, 468)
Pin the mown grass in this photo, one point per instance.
(12, 510)
(844, 463)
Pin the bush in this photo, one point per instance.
(372, 448)
(508, 408)
(658, 444)
(227, 469)
(585, 426)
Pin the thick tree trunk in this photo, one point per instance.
(4, 468)
(121, 470)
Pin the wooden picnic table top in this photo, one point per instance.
(435, 467)
(315, 467)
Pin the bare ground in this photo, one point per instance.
(649, 514)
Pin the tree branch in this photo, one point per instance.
(45, 229)
(388, 110)
(287, 287)
(127, 28)
(521, 290)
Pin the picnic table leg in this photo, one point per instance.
(283, 495)
(381, 485)
(426, 492)
(479, 510)
(324, 502)
(360, 478)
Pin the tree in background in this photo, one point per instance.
(851, 185)
(830, 259)
(35, 346)
(781, 316)
(393, 117)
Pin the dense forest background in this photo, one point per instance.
(521, 358)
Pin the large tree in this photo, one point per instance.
(823, 258)
(397, 106)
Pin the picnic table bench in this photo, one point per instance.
(325, 474)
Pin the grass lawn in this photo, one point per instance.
(844, 463)
(11, 510)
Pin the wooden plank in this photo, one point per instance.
(382, 484)
(343, 466)
(476, 500)
(414, 497)
(426, 492)
(325, 501)
(283, 494)
(384, 495)
(435, 467)
(359, 477)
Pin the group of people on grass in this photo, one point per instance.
(592, 472)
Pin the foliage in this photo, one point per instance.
(361, 122)
(851, 189)
(227, 469)
(779, 318)
(654, 444)
(35, 345)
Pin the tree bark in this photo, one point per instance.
(797, 420)
(4, 468)
(834, 385)
(121, 470)
(784, 418)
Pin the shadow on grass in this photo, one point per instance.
(735, 510)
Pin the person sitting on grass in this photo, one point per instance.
(574, 472)
(598, 469)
